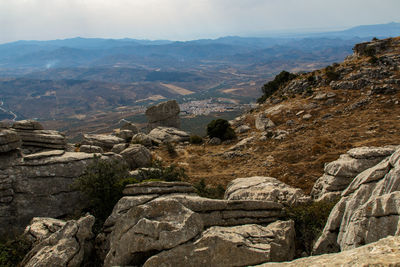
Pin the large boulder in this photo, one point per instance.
(9, 140)
(143, 139)
(137, 156)
(66, 247)
(40, 185)
(165, 134)
(368, 210)
(385, 252)
(164, 114)
(264, 188)
(263, 122)
(41, 228)
(154, 226)
(106, 142)
(90, 149)
(27, 125)
(340, 173)
(232, 246)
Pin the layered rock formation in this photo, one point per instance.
(165, 134)
(9, 140)
(67, 246)
(340, 173)
(106, 142)
(164, 114)
(161, 216)
(385, 252)
(264, 188)
(368, 210)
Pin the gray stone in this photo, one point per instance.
(263, 122)
(27, 125)
(368, 210)
(165, 134)
(307, 116)
(9, 140)
(143, 139)
(45, 139)
(215, 141)
(90, 149)
(65, 247)
(129, 126)
(246, 142)
(264, 188)
(159, 188)
(118, 148)
(125, 134)
(41, 228)
(243, 129)
(137, 156)
(154, 226)
(106, 142)
(164, 114)
(232, 246)
(385, 252)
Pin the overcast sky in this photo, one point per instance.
(183, 19)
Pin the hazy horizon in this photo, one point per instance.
(180, 20)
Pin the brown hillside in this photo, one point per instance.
(352, 104)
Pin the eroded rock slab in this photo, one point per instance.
(136, 156)
(165, 134)
(164, 114)
(106, 142)
(232, 246)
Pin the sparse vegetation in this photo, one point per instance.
(310, 219)
(196, 140)
(161, 173)
(220, 128)
(331, 74)
(13, 251)
(171, 149)
(271, 87)
(204, 190)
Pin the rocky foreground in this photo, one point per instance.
(167, 224)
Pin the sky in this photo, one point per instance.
(183, 19)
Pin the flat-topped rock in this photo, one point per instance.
(46, 154)
(42, 138)
(165, 134)
(264, 188)
(90, 149)
(9, 140)
(27, 125)
(159, 188)
(106, 142)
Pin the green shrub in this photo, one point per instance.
(13, 251)
(208, 191)
(161, 173)
(220, 128)
(102, 183)
(271, 87)
(310, 220)
(196, 140)
(370, 51)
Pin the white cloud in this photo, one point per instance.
(181, 19)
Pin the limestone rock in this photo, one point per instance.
(90, 149)
(27, 125)
(368, 210)
(143, 139)
(232, 246)
(106, 142)
(215, 141)
(263, 122)
(339, 173)
(264, 188)
(243, 129)
(137, 156)
(129, 126)
(164, 114)
(46, 139)
(118, 148)
(385, 252)
(125, 134)
(165, 134)
(41, 228)
(9, 140)
(242, 144)
(159, 188)
(66, 247)
(157, 225)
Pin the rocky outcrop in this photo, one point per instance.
(9, 140)
(164, 134)
(385, 252)
(106, 142)
(126, 125)
(263, 122)
(143, 139)
(264, 188)
(66, 247)
(35, 139)
(232, 246)
(39, 185)
(90, 149)
(125, 134)
(41, 228)
(368, 210)
(164, 114)
(154, 211)
(340, 173)
(136, 156)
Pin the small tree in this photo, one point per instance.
(220, 128)
(271, 87)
